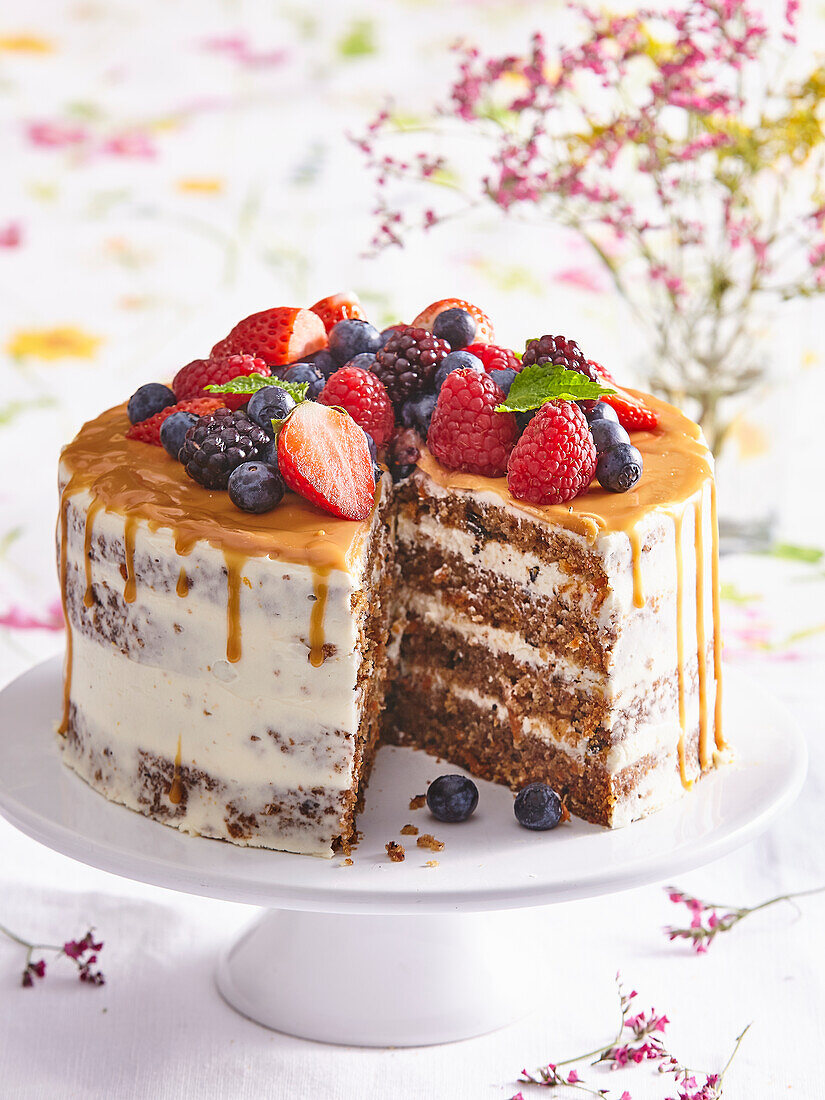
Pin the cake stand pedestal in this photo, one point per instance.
(397, 954)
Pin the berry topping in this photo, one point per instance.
(456, 326)
(455, 361)
(363, 396)
(504, 379)
(218, 444)
(466, 432)
(452, 798)
(560, 351)
(599, 410)
(323, 455)
(323, 361)
(255, 487)
(364, 361)
(268, 404)
(633, 414)
(338, 307)
(350, 338)
(484, 326)
(278, 336)
(619, 468)
(389, 331)
(555, 459)
(418, 412)
(403, 453)
(607, 433)
(306, 372)
(148, 431)
(407, 362)
(494, 357)
(148, 400)
(537, 806)
(173, 431)
(191, 380)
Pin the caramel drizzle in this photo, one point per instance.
(320, 588)
(176, 789)
(182, 587)
(680, 645)
(234, 564)
(638, 586)
(68, 663)
(717, 620)
(94, 508)
(129, 532)
(701, 644)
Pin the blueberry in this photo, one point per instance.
(387, 333)
(322, 361)
(599, 410)
(537, 806)
(268, 404)
(148, 400)
(456, 326)
(454, 361)
(607, 434)
(255, 487)
(452, 797)
(305, 372)
(418, 412)
(504, 378)
(268, 453)
(174, 429)
(364, 361)
(349, 338)
(619, 468)
(524, 418)
(371, 445)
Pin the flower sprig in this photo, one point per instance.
(83, 953)
(708, 920)
(640, 1038)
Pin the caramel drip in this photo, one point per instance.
(68, 661)
(234, 565)
(182, 587)
(320, 587)
(176, 789)
(638, 585)
(701, 644)
(680, 644)
(717, 621)
(129, 532)
(94, 508)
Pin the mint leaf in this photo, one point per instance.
(544, 382)
(251, 383)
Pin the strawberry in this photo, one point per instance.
(484, 332)
(278, 336)
(324, 456)
(148, 431)
(339, 307)
(365, 398)
(494, 357)
(634, 415)
(466, 433)
(191, 380)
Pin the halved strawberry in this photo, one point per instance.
(323, 455)
(148, 431)
(278, 336)
(494, 357)
(339, 307)
(191, 380)
(484, 332)
(634, 415)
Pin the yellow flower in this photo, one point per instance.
(200, 186)
(25, 43)
(61, 342)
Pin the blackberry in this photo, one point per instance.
(561, 351)
(407, 362)
(403, 452)
(218, 444)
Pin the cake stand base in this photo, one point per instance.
(382, 981)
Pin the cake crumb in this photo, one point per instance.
(395, 851)
(347, 863)
(427, 840)
(417, 802)
(409, 830)
(431, 863)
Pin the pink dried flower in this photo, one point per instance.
(83, 953)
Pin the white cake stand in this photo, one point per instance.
(396, 954)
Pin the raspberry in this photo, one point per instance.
(555, 459)
(218, 444)
(466, 433)
(365, 399)
(148, 431)
(494, 357)
(561, 351)
(191, 380)
(406, 364)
